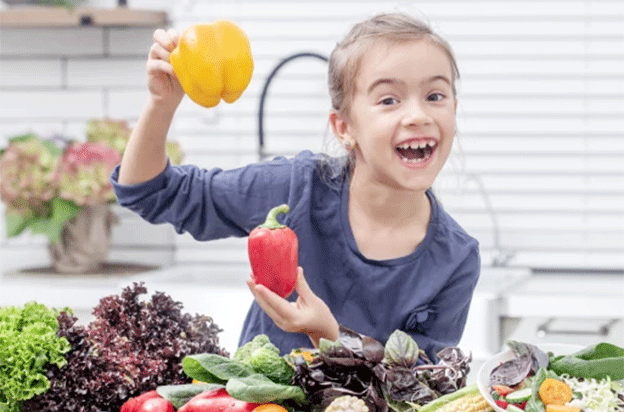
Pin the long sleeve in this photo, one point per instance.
(208, 204)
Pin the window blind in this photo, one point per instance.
(537, 171)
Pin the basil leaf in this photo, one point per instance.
(257, 388)
(179, 395)
(212, 368)
(401, 349)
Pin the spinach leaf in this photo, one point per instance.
(257, 388)
(596, 361)
(179, 395)
(212, 368)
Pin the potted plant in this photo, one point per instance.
(61, 188)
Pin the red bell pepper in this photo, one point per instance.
(217, 400)
(148, 402)
(273, 254)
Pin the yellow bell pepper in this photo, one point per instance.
(213, 62)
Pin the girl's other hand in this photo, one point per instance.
(308, 314)
(163, 84)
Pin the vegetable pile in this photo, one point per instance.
(130, 348)
(353, 373)
(398, 376)
(535, 381)
(145, 355)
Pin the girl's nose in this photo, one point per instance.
(416, 114)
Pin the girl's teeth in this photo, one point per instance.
(417, 160)
(417, 145)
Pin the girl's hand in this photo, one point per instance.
(164, 87)
(309, 314)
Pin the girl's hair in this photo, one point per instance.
(345, 59)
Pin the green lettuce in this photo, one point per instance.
(28, 346)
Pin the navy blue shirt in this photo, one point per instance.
(426, 293)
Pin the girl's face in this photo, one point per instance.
(402, 115)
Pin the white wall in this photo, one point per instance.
(540, 121)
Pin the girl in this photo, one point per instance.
(378, 250)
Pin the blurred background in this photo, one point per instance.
(537, 172)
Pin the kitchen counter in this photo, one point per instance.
(569, 294)
(565, 307)
(80, 291)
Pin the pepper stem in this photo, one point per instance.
(271, 219)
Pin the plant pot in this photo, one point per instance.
(85, 241)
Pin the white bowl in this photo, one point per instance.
(483, 377)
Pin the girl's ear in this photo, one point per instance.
(339, 126)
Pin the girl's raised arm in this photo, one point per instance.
(145, 155)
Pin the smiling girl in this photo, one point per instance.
(378, 250)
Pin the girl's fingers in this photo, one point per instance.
(163, 38)
(277, 308)
(157, 51)
(173, 35)
(302, 287)
(157, 66)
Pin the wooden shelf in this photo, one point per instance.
(62, 17)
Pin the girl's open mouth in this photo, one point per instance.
(417, 151)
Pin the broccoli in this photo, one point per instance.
(243, 353)
(264, 358)
(271, 365)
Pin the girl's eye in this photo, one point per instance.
(388, 101)
(436, 97)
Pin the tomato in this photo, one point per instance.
(502, 389)
(156, 405)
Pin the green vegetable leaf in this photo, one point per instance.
(596, 361)
(257, 388)
(179, 395)
(212, 368)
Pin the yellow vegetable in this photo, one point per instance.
(562, 408)
(213, 62)
(554, 392)
(270, 407)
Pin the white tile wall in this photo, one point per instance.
(541, 74)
